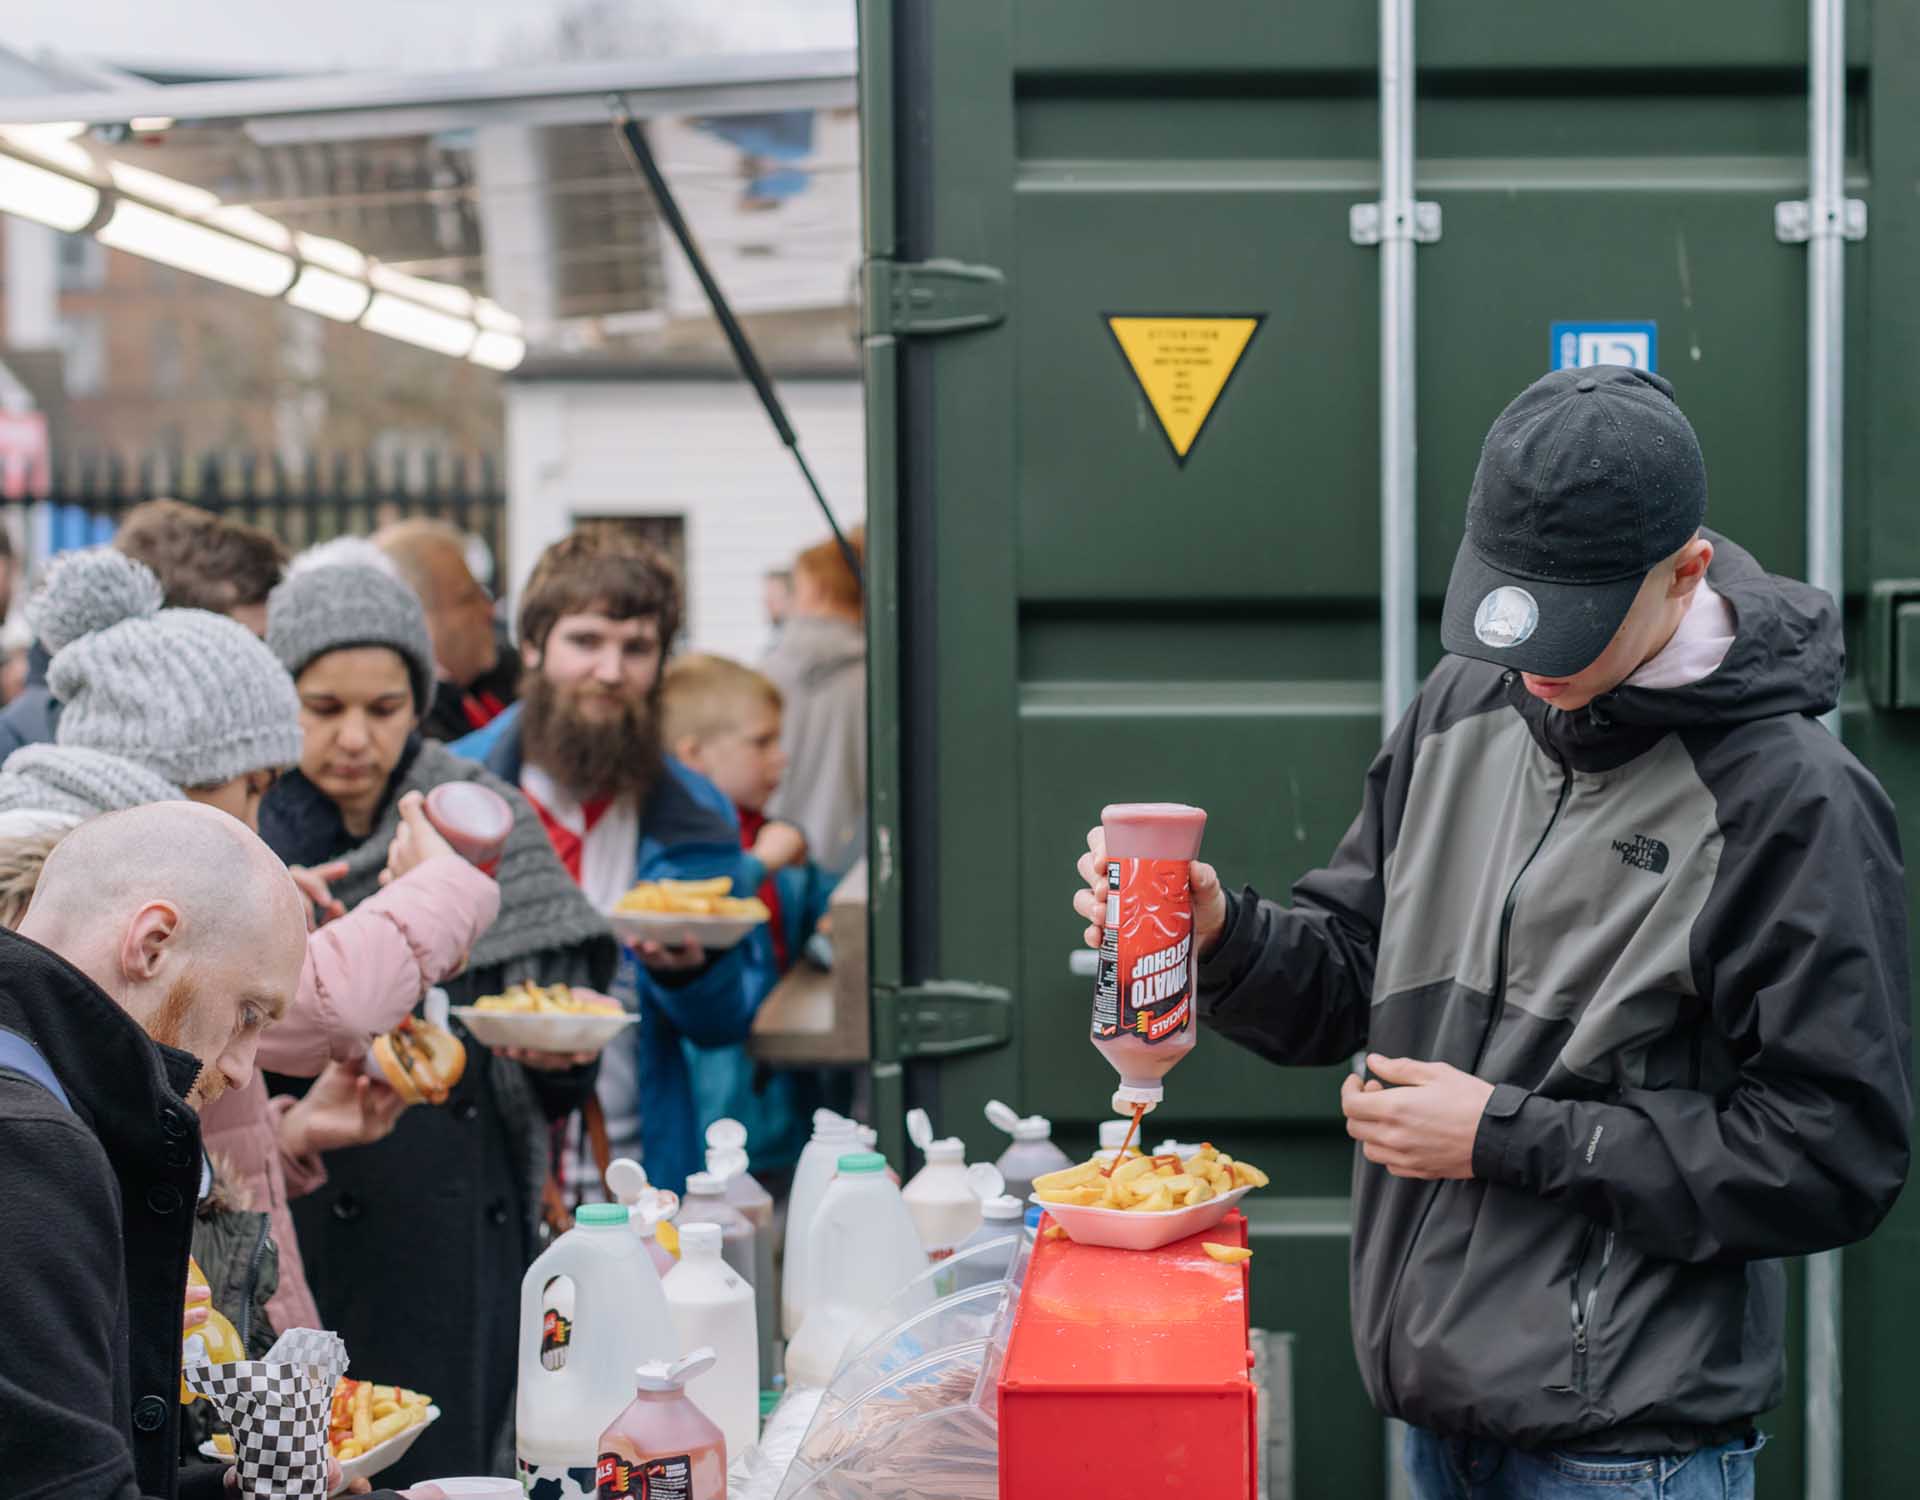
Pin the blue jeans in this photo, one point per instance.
(1474, 1469)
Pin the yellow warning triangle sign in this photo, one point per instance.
(1182, 365)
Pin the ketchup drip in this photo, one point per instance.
(1139, 1113)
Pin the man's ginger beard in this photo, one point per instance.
(169, 1025)
(603, 755)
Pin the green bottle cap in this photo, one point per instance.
(600, 1213)
(863, 1161)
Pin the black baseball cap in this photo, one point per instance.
(1587, 481)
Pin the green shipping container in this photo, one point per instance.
(1076, 601)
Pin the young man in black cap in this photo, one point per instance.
(1623, 929)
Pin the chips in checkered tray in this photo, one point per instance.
(276, 1409)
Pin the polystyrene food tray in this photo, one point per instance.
(1122, 1229)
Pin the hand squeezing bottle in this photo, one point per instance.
(1143, 997)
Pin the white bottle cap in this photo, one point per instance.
(658, 1375)
(919, 1128)
(1003, 1207)
(827, 1125)
(1130, 1094)
(1113, 1133)
(701, 1241)
(727, 1135)
(985, 1180)
(1027, 1128)
(948, 1152)
(726, 1162)
(869, 1137)
(705, 1185)
(626, 1180)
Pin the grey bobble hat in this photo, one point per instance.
(337, 606)
(190, 696)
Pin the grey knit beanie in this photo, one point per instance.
(191, 697)
(337, 606)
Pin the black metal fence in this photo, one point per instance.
(343, 495)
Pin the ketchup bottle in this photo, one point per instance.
(475, 819)
(1143, 997)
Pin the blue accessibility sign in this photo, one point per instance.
(1635, 345)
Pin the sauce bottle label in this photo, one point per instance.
(556, 1332)
(1145, 983)
(620, 1478)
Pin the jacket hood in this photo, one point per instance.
(813, 650)
(1788, 655)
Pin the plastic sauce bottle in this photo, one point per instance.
(662, 1447)
(727, 1160)
(833, 1137)
(1143, 997)
(712, 1307)
(1032, 1152)
(214, 1342)
(940, 1198)
(650, 1210)
(475, 819)
(863, 1249)
(574, 1380)
(706, 1203)
(1000, 1229)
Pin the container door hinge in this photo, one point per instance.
(926, 297)
(948, 1017)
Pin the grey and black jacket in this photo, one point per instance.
(1671, 928)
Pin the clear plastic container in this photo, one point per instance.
(918, 1432)
(833, 1137)
(1143, 1020)
(1032, 1152)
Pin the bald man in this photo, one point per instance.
(477, 680)
(158, 945)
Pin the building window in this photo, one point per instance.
(84, 338)
(83, 263)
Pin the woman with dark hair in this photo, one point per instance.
(415, 1247)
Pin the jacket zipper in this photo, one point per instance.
(1498, 1000)
(252, 1284)
(1583, 1311)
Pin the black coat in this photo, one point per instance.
(98, 1214)
(415, 1247)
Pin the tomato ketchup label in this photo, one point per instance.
(1145, 984)
(617, 1478)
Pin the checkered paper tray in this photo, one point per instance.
(276, 1409)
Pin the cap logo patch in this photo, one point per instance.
(1506, 617)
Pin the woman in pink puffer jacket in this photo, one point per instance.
(364, 971)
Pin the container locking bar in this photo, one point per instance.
(932, 297)
(948, 1017)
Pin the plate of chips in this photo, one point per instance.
(677, 912)
(544, 1018)
(1145, 1201)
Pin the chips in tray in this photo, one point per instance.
(1148, 1184)
(692, 898)
(552, 999)
(365, 1415)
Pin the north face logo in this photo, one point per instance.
(1642, 853)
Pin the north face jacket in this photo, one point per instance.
(1671, 929)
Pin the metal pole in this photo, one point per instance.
(743, 351)
(1826, 353)
(1399, 602)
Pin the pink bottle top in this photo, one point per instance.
(661, 1447)
(1143, 998)
(475, 819)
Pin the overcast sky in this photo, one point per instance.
(402, 34)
